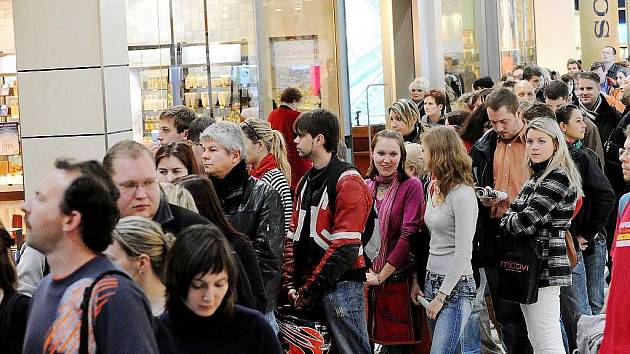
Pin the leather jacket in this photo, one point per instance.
(255, 209)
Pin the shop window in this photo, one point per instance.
(517, 39)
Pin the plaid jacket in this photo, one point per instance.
(545, 212)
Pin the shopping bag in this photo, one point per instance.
(519, 269)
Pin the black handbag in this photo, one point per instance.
(520, 266)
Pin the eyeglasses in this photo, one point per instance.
(607, 52)
(624, 152)
(132, 187)
(253, 130)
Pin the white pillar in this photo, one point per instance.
(73, 76)
(555, 33)
(428, 40)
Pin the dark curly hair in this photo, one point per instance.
(93, 195)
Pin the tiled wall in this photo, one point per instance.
(148, 21)
(7, 44)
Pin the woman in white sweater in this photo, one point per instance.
(451, 216)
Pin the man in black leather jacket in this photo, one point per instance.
(253, 207)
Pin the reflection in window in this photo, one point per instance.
(517, 39)
(461, 49)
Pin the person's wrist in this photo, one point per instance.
(441, 297)
(379, 280)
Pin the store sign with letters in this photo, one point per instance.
(599, 20)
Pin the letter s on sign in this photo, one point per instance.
(601, 29)
(600, 13)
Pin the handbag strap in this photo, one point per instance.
(85, 308)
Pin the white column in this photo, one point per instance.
(73, 76)
(428, 40)
(555, 33)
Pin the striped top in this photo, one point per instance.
(277, 180)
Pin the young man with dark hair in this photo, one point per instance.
(132, 168)
(557, 95)
(174, 124)
(282, 119)
(499, 162)
(537, 110)
(70, 220)
(482, 83)
(534, 74)
(197, 126)
(323, 265)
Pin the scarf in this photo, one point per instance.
(267, 164)
(384, 214)
(232, 181)
(592, 113)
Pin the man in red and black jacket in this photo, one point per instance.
(323, 264)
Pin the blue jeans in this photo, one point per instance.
(595, 264)
(471, 338)
(574, 301)
(448, 327)
(344, 308)
(271, 319)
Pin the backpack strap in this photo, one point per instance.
(85, 308)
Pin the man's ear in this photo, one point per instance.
(71, 222)
(186, 135)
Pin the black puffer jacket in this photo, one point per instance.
(255, 209)
(599, 198)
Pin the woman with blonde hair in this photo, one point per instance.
(405, 117)
(415, 165)
(451, 217)
(140, 248)
(179, 196)
(267, 155)
(543, 210)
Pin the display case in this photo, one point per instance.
(214, 80)
(11, 177)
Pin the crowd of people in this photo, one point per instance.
(486, 224)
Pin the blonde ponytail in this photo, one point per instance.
(279, 151)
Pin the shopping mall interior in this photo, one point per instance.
(78, 76)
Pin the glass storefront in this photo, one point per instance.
(11, 177)
(517, 36)
(207, 55)
(461, 47)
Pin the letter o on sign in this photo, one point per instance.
(599, 4)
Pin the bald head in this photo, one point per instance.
(524, 91)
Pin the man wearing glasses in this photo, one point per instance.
(608, 59)
(131, 166)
